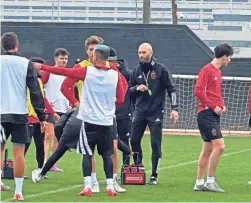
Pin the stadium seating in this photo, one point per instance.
(212, 15)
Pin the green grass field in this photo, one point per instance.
(176, 176)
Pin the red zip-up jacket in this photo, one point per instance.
(80, 74)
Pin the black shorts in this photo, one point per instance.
(124, 128)
(19, 132)
(209, 125)
(92, 135)
(67, 129)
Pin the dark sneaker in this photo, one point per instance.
(153, 181)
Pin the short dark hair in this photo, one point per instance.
(9, 41)
(223, 50)
(37, 59)
(61, 51)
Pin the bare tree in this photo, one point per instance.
(174, 12)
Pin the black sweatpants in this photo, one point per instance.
(124, 133)
(67, 130)
(35, 132)
(139, 123)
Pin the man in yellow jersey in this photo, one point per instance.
(67, 87)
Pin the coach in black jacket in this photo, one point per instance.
(149, 83)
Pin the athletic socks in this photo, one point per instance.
(19, 185)
(200, 182)
(109, 183)
(94, 177)
(87, 182)
(210, 179)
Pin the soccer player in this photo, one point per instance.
(68, 86)
(210, 108)
(123, 114)
(17, 73)
(149, 83)
(117, 144)
(34, 124)
(104, 86)
(52, 84)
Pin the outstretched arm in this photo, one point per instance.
(74, 73)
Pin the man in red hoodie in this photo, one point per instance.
(210, 107)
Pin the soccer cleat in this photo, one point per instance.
(111, 192)
(117, 187)
(18, 197)
(249, 182)
(86, 192)
(213, 187)
(36, 176)
(5, 187)
(56, 169)
(95, 187)
(26, 177)
(153, 181)
(199, 188)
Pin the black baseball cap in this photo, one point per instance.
(112, 55)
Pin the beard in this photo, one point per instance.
(147, 59)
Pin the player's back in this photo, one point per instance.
(98, 96)
(13, 84)
(84, 64)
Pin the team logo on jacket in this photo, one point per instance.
(153, 75)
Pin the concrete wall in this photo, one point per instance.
(174, 45)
